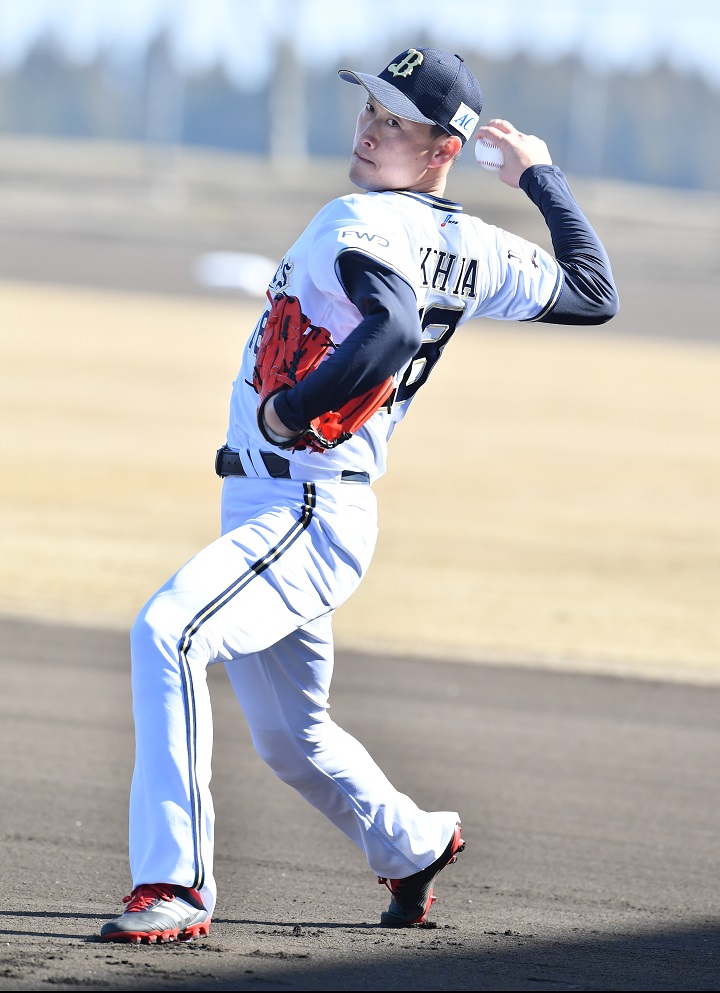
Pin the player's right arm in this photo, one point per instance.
(587, 293)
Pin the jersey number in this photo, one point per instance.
(438, 327)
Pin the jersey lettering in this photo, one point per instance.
(443, 270)
(254, 341)
(423, 263)
(438, 327)
(461, 270)
(282, 276)
(437, 271)
(469, 279)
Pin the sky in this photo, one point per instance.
(241, 35)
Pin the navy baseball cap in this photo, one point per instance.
(426, 85)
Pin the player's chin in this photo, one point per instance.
(363, 173)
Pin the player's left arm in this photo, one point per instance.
(381, 344)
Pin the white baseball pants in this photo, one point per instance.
(260, 599)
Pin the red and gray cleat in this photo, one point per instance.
(413, 896)
(159, 912)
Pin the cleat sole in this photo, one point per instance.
(159, 937)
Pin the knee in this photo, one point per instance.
(291, 756)
(156, 629)
(145, 630)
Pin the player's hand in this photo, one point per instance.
(275, 427)
(519, 150)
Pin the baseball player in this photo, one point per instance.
(393, 272)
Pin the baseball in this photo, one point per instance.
(488, 155)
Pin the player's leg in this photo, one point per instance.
(261, 580)
(283, 691)
(227, 601)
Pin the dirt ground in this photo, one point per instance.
(589, 807)
(537, 642)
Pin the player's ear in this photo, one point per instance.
(446, 150)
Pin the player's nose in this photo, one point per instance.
(367, 134)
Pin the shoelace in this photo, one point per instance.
(145, 895)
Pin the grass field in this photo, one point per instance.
(552, 499)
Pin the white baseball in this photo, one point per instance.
(488, 155)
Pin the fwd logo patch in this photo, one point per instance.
(365, 236)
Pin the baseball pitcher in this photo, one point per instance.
(360, 310)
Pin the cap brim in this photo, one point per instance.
(387, 95)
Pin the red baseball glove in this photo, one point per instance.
(290, 348)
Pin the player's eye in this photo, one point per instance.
(393, 123)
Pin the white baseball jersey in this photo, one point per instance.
(459, 267)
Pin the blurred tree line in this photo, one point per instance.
(622, 126)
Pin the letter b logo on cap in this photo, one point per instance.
(411, 59)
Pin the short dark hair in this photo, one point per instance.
(436, 131)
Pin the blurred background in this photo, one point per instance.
(181, 121)
(615, 87)
(157, 157)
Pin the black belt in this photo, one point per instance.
(227, 463)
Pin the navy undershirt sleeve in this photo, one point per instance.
(383, 342)
(588, 294)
